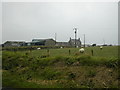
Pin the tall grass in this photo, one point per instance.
(12, 60)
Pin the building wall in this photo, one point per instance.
(72, 42)
(12, 44)
(62, 44)
(78, 43)
(50, 42)
(7, 45)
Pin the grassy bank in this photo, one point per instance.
(60, 69)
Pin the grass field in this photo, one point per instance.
(108, 51)
(60, 69)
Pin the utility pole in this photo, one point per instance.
(75, 29)
(84, 40)
(104, 41)
(55, 37)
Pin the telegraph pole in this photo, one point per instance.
(84, 40)
(55, 37)
(104, 41)
(75, 29)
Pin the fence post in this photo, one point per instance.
(69, 52)
(48, 52)
(92, 52)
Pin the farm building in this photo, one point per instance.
(51, 42)
(62, 44)
(13, 43)
(43, 42)
(71, 42)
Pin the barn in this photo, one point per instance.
(43, 42)
(13, 43)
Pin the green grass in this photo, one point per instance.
(107, 51)
(37, 69)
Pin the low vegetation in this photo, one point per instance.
(60, 69)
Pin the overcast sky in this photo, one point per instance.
(27, 20)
